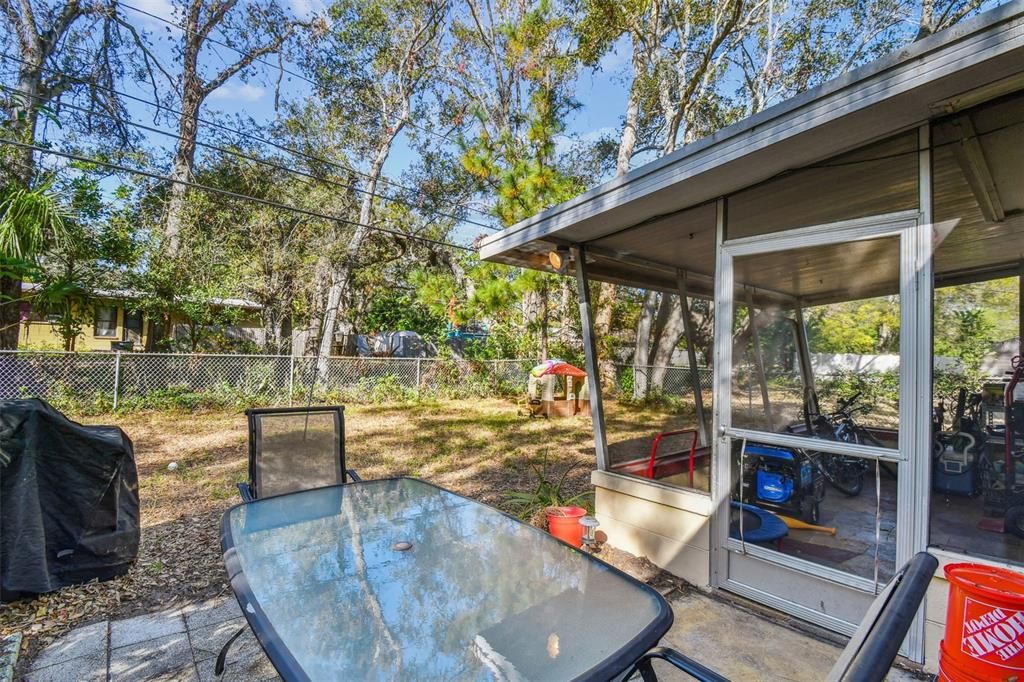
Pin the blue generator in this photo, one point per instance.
(784, 480)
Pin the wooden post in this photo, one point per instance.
(590, 351)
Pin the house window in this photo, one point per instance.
(37, 315)
(105, 323)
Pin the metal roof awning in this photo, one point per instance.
(643, 228)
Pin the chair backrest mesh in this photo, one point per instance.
(296, 451)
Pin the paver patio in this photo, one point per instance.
(179, 644)
(182, 645)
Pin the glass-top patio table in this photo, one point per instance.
(400, 579)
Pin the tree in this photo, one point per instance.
(65, 50)
(678, 52)
(802, 43)
(371, 70)
(68, 49)
(868, 326)
(255, 31)
(396, 311)
(194, 298)
(936, 17)
(94, 252)
(514, 65)
(273, 250)
(685, 55)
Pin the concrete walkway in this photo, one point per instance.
(183, 644)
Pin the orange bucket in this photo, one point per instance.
(949, 671)
(984, 624)
(564, 524)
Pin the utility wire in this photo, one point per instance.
(214, 41)
(250, 136)
(276, 67)
(264, 162)
(229, 193)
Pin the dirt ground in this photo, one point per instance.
(481, 448)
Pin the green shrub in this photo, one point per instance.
(387, 389)
(627, 381)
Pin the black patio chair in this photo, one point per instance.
(291, 448)
(872, 649)
(295, 448)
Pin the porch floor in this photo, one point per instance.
(181, 644)
(743, 644)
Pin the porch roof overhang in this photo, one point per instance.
(977, 60)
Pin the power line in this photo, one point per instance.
(260, 60)
(208, 38)
(229, 193)
(250, 136)
(264, 162)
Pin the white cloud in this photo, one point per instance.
(239, 92)
(159, 8)
(306, 9)
(617, 58)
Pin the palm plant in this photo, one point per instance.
(30, 219)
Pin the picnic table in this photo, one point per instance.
(400, 579)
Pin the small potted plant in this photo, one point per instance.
(563, 513)
(564, 523)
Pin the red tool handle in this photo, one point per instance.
(657, 441)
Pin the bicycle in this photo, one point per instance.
(845, 473)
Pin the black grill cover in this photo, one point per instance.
(69, 500)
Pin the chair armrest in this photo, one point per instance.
(875, 644)
(677, 659)
(351, 475)
(246, 492)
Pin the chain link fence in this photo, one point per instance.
(642, 381)
(99, 381)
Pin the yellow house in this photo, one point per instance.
(114, 325)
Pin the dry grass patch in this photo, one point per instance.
(480, 448)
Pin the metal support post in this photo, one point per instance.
(117, 376)
(691, 356)
(419, 375)
(590, 351)
(291, 379)
(804, 357)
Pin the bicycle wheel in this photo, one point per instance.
(864, 437)
(846, 477)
